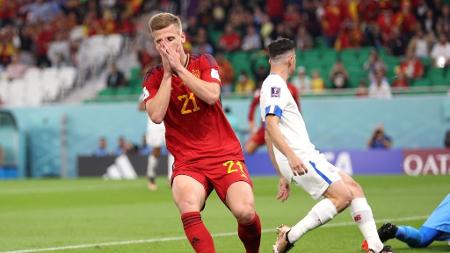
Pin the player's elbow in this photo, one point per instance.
(156, 117)
(212, 99)
(213, 95)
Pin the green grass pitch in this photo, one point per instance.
(92, 215)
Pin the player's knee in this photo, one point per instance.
(188, 205)
(245, 213)
(355, 188)
(342, 201)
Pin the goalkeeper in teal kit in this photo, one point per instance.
(435, 228)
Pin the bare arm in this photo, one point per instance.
(283, 184)
(270, 151)
(206, 91)
(157, 106)
(297, 166)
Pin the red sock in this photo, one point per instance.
(250, 235)
(196, 232)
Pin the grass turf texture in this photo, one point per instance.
(41, 214)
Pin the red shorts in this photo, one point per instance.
(216, 175)
(258, 137)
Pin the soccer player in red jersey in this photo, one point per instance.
(257, 138)
(184, 92)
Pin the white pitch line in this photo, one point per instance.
(179, 238)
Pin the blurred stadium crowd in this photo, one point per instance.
(76, 35)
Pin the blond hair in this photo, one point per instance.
(162, 20)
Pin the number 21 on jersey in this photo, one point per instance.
(188, 107)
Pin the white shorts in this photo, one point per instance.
(321, 174)
(155, 134)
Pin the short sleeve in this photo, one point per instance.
(151, 83)
(209, 69)
(274, 99)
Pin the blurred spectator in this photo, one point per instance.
(386, 25)
(266, 30)
(144, 149)
(339, 75)
(379, 139)
(334, 15)
(373, 64)
(43, 39)
(115, 78)
(202, 46)
(260, 74)
(230, 40)
(362, 90)
(41, 10)
(125, 24)
(7, 47)
(397, 43)
(411, 67)
(291, 16)
(59, 52)
(234, 121)
(429, 22)
(441, 52)
(301, 81)
(350, 36)
(379, 87)
(226, 73)
(27, 45)
(251, 40)
(317, 83)
(274, 9)
(122, 146)
(406, 20)
(420, 45)
(245, 85)
(16, 69)
(447, 139)
(303, 39)
(401, 81)
(102, 149)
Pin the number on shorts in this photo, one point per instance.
(186, 98)
(234, 166)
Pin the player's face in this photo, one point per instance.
(172, 35)
(292, 63)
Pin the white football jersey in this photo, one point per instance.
(276, 99)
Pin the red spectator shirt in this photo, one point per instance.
(195, 131)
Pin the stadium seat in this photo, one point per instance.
(439, 76)
(240, 62)
(424, 82)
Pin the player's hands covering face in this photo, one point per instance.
(164, 59)
(173, 56)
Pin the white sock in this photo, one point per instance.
(151, 165)
(320, 214)
(170, 161)
(363, 216)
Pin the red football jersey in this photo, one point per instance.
(195, 131)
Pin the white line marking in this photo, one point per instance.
(179, 238)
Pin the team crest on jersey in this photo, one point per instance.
(275, 92)
(215, 74)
